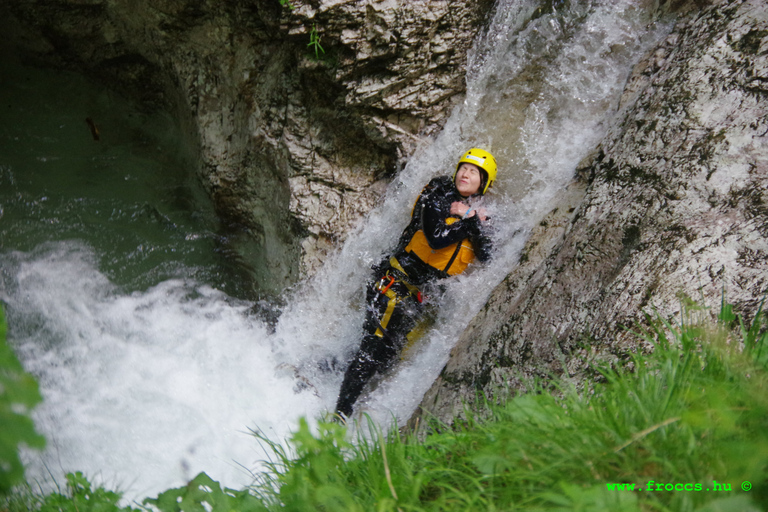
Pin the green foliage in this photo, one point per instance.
(313, 476)
(754, 336)
(202, 494)
(79, 496)
(694, 411)
(314, 42)
(18, 394)
(596, 498)
(82, 498)
(287, 3)
(321, 457)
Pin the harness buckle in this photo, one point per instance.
(387, 287)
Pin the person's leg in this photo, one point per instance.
(377, 352)
(371, 357)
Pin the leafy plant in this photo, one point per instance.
(81, 497)
(203, 494)
(314, 42)
(19, 393)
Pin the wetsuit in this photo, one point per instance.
(435, 245)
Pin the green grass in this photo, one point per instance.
(693, 411)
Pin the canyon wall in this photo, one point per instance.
(671, 208)
(302, 111)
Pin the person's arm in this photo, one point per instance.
(436, 208)
(462, 211)
(482, 242)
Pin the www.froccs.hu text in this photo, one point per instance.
(652, 486)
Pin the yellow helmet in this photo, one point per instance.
(484, 160)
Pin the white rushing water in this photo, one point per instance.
(144, 390)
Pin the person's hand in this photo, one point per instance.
(460, 209)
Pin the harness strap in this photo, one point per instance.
(391, 304)
(453, 256)
(411, 288)
(392, 295)
(396, 265)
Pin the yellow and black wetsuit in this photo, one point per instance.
(435, 245)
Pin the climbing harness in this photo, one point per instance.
(384, 286)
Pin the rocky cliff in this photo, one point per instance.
(302, 110)
(672, 207)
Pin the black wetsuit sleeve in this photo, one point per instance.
(481, 240)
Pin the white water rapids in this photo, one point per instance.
(144, 390)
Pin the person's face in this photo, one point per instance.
(468, 179)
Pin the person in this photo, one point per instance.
(446, 233)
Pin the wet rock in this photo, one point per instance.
(674, 211)
(301, 110)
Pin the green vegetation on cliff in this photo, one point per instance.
(684, 428)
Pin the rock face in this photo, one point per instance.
(674, 207)
(301, 110)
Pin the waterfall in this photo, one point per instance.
(143, 389)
